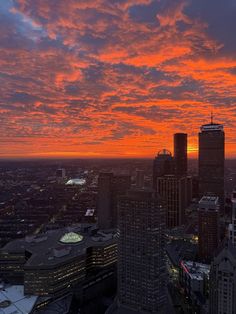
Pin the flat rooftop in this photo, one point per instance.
(209, 201)
(58, 246)
(13, 300)
(195, 270)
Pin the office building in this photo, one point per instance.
(141, 262)
(208, 227)
(180, 154)
(194, 278)
(110, 187)
(53, 263)
(232, 226)
(175, 193)
(223, 280)
(211, 160)
(163, 164)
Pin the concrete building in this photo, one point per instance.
(211, 160)
(141, 262)
(232, 226)
(163, 164)
(175, 193)
(54, 263)
(208, 227)
(110, 187)
(223, 280)
(180, 154)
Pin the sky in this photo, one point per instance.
(114, 78)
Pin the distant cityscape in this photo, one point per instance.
(121, 236)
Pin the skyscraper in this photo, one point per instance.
(232, 226)
(163, 164)
(175, 192)
(180, 154)
(110, 187)
(211, 160)
(223, 280)
(141, 261)
(208, 227)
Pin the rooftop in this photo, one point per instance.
(209, 202)
(212, 127)
(13, 300)
(57, 246)
(196, 271)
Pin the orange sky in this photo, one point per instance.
(101, 78)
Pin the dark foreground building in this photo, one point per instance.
(180, 154)
(163, 164)
(141, 262)
(176, 192)
(110, 186)
(223, 280)
(211, 160)
(208, 227)
(57, 262)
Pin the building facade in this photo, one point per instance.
(208, 227)
(211, 160)
(180, 154)
(110, 187)
(223, 280)
(141, 262)
(54, 263)
(163, 164)
(175, 193)
(232, 226)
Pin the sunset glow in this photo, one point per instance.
(114, 78)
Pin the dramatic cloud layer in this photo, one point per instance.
(114, 77)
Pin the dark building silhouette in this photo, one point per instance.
(176, 192)
(211, 160)
(223, 280)
(163, 164)
(139, 179)
(110, 186)
(208, 227)
(141, 262)
(180, 154)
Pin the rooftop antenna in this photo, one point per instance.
(211, 117)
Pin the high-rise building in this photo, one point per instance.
(139, 179)
(208, 227)
(175, 193)
(110, 187)
(232, 226)
(141, 261)
(180, 154)
(163, 164)
(223, 280)
(211, 160)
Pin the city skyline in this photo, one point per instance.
(114, 78)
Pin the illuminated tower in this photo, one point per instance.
(211, 160)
